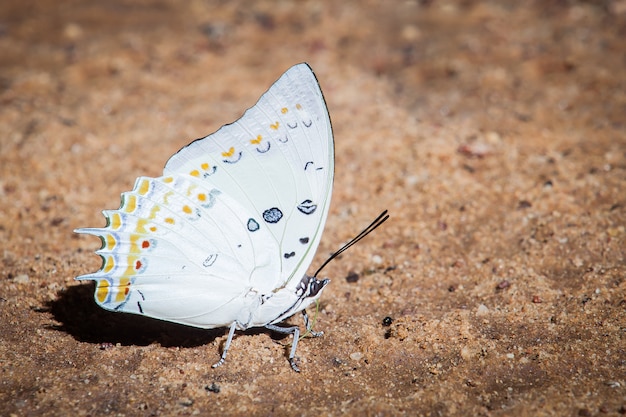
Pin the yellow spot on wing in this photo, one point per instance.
(144, 187)
(167, 180)
(154, 212)
(115, 221)
(202, 197)
(109, 264)
(230, 152)
(195, 173)
(102, 291)
(123, 288)
(169, 220)
(166, 196)
(256, 141)
(130, 203)
(187, 209)
(299, 106)
(205, 166)
(141, 226)
(134, 248)
(110, 242)
(275, 126)
(284, 110)
(190, 189)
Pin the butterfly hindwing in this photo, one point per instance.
(170, 257)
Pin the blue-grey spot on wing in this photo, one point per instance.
(253, 226)
(272, 215)
(212, 198)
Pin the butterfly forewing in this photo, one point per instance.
(277, 161)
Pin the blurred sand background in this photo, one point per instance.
(493, 131)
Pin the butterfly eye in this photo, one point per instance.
(315, 286)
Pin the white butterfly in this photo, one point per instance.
(225, 236)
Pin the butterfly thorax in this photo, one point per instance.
(273, 307)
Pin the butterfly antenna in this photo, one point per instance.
(382, 217)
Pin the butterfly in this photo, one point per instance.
(225, 236)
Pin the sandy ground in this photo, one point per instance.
(494, 133)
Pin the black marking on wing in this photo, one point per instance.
(289, 255)
(309, 123)
(304, 240)
(281, 140)
(139, 306)
(259, 150)
(307, 164)
(292, 127)
(208, 174)
(272, 215)
(210, 260)
(307, 207)
(194, 215)
(142, 296)
(229, 161)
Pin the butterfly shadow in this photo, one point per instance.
(79, 316)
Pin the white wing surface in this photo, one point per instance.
(236, 215)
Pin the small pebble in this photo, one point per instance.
(482, 310)
(352, 277)
(22, 279)
(185, 402)
(503, 285)
(213, 388)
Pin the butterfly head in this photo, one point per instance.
(310, 288)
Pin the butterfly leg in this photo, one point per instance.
(309, 325)
(231, 333)
(295, 331)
